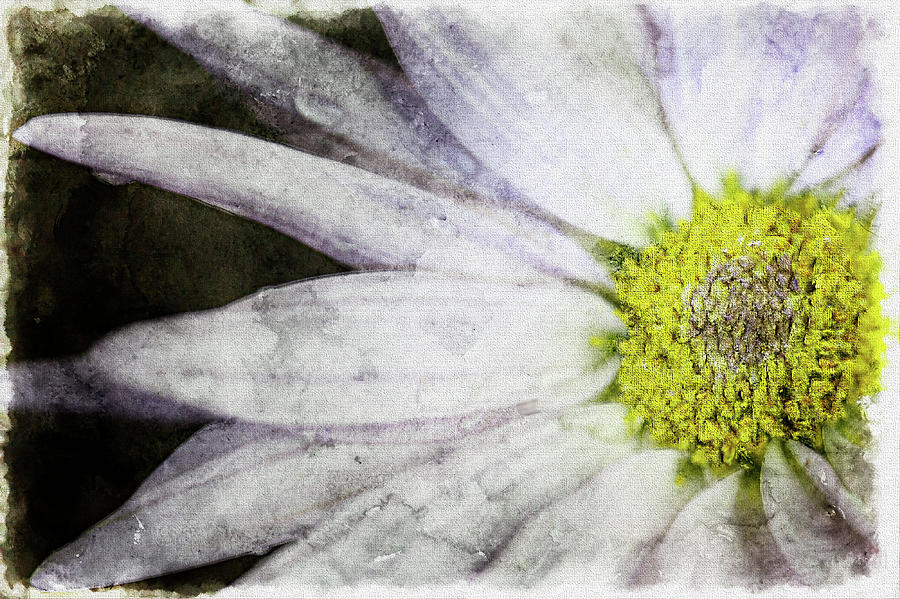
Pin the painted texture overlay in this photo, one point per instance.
(449, 299)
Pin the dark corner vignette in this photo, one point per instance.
(87, 257)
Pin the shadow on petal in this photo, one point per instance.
(821, 543)
(720, 539)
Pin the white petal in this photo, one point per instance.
(370, 347)
(850, 463)
(371, 106)
(229, 491)
(445, 521)
(861, 187)
(886, 241)
(213, 440)
(854, 134)
(355, 216)
(601, 532)
(554, 101)
(759, 91)
(386, 535)
(849, 507)
(720, 538)
(820, 545)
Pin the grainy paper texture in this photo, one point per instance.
(325, 300)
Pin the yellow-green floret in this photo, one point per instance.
(757, 319)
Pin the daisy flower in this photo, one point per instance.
(615, 307)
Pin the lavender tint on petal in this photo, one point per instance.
(759, 91)
(603, 530)
(557, 103)
(816, 538)
(415, 428)
(200, 509)
(826, 480)
(357, 217)
(446, 521)
(370, 107)
(721, 538)
(847, 136)
(369, 348)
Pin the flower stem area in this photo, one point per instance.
(87, 257)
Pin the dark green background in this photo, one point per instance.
(87, 257)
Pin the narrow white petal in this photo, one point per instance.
(357, 217)
(602, 531)
(762, 90)
(369, 348)
(819, 543)
(554, 101)
(445, 521)
(371, 106)
(213, 440)
(721, 538)
(386, 535)
(242, 491)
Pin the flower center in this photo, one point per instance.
(742, 312)
(757, 319)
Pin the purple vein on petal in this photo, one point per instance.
(757, 90)
(826, 480)
(720, 538)
(849, 137)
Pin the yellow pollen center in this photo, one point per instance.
(757, 319)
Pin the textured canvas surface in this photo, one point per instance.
(447, 300)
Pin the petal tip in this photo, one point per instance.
(72, 568)
(50, 577)
(51, 132)
(27, 133)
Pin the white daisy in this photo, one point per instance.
(450, 414)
